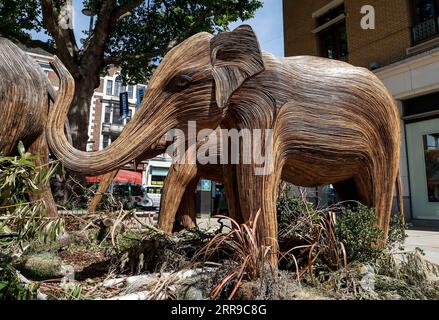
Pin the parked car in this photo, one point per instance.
(154, 194)
(131, 195)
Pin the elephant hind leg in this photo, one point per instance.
(40, 148)
(384, 187)
(178, 178)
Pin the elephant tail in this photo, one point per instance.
(399, 195)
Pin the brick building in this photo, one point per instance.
(403, 50)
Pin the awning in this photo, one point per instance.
(122, 176)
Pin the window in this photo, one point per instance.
(109, 90)
(136, 191)
(118, 88)
(331, 30)
(419, 106)
(105, 141)
(424, 10)
(331, 14)
(121, 190)
(425, 19)
(333, 42)
(431, 152)
(157, 180)
(107, 116)
(130, 92)
(117, 119)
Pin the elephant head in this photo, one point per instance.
(194, 82)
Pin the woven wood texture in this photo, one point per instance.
(331, 122)
(24, 107)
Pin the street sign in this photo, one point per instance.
(205, 185)
(123, 104)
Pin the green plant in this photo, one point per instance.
(402, 275)
(295, 217)
(10, 286)
(20, 219)
(308, 236)
(74, 292)
(357, 229)
(19, 176)
(249, 258)
(397, 233)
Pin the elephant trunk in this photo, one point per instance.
(138, 136)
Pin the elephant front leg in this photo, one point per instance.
(178, 178)
(259, 192)
(40, 147)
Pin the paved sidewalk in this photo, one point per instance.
(427, 241)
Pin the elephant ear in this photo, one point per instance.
(235, 57)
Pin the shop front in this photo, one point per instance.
(414, 83)
(423, 163)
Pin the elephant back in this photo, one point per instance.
(23, 98)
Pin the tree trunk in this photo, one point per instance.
(78, 121)
(79, 113)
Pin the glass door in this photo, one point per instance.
(423, 158)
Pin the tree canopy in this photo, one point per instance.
(136, 36)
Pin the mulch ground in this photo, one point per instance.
(87, 263)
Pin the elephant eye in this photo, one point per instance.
(179, 82)
(183, 80)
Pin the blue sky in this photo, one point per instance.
(267, 23)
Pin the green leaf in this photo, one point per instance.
(3, 284)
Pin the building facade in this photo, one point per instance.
(401, 45)
(106, 121)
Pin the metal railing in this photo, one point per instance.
(425, 30)
(112, 128)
